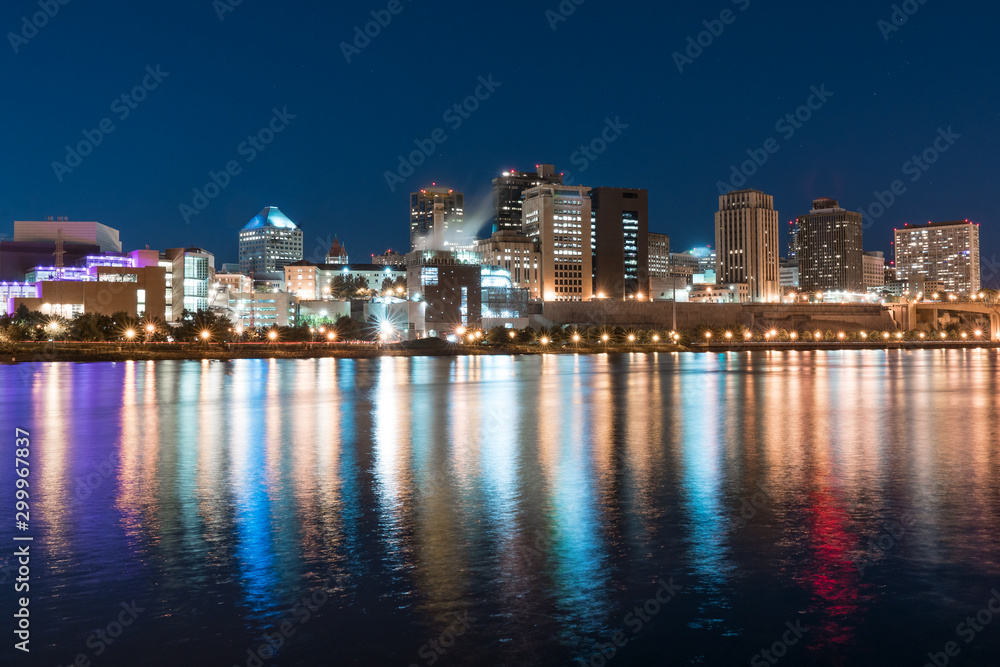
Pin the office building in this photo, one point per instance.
(136, 291)
(620, 241)
(445, 292)
(793, 240)
(943, 252)
(190, 278)
(437, 219)
(268, 243)
(232, 282)
(830, 251)
(788, 270)
(746, 242)
(558, 219)
(263, 309)
(659, 255)
(874, 270)
(517, 254)
(70, 232)
(311, 281)
(508, 191)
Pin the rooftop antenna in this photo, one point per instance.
(60, 252)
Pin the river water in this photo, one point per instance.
(829, 508)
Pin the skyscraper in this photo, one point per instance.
(793, 239)
(746, 242)
(659, 255)
(447, 229)
(830, 249)
(621, 241)
(269, 242)
(944, 252)
(507, 192)
(557, 218)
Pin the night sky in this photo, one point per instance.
(554, 90)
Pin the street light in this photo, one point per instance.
(273, 335)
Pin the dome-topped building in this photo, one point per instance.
(269, 242)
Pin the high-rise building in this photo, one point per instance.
(190, 275)
(620, 228)
(269, 242)
(508, 190)
(557, 218)
(830, 251)
(793, 239)
(437, 219)
(659, 255)
(516, 253)
(943, 252)
(874, 270)
(746, 242)
(83, 233)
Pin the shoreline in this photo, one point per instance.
(115, 352)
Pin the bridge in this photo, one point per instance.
(910, 316)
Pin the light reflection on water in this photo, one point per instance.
(543, 497)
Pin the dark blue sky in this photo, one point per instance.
(608, 60)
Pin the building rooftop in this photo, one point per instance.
(271, 217)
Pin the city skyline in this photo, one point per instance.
(873, 118)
